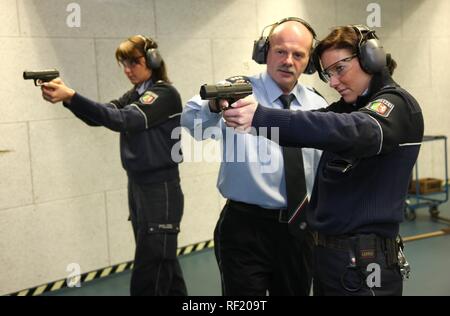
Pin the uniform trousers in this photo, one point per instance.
(156, 211)
(257, 255)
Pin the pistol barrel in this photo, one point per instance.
(41, 76)
(225, 91)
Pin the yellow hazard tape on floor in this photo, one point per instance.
(106, 272)
(58, 285)
(102, 273)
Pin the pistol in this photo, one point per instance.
(227, 91)
(41, 76)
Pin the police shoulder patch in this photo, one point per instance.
(381, 106)
(148, 97)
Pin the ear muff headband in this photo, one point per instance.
(152, 57)
(261, 46)
(371, 54)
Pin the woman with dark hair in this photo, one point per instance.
(371, 139)
(145, 117)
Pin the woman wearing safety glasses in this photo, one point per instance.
(371, 139)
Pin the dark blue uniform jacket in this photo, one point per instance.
(369, 151)
(145, 123)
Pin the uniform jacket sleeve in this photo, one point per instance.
(143, 113)
(379, 127)
(197, 117)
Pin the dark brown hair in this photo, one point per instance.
(134, 47)
(346, 37)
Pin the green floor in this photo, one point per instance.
(429, 258)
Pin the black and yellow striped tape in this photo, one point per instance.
(102, 273)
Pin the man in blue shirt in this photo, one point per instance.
(255, 252)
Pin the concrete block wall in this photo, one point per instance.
(62, 188)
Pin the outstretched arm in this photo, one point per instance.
(363, 133)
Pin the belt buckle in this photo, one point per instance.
(283, 216)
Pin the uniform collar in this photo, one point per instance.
(144, 86)
(274, 91)
(379, 81)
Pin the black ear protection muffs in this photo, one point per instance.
(152, 57)
(261, 46)
(317, 64)
(371, 55)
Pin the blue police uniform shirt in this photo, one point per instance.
(144, 86)
(252, 168)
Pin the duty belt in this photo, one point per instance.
(280, 215)
(362, 245)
